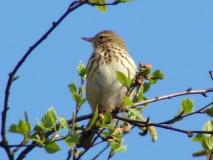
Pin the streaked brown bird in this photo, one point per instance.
(103, 88)
(110, 54)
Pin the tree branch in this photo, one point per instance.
(134, 122)
(140, 123)
(172, 95)
(105, 4)
(33, 144)
(12, 75)
(181, 116)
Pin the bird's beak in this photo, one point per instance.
(88, 39)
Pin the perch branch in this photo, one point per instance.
(176, 94)
(138, 123)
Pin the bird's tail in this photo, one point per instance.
(86, 139)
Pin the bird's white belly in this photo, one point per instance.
(107, 91)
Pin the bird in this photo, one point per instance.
(103, 89)
(109, 55)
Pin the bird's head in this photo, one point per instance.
(106, 38)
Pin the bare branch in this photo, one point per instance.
(140, 123)
(176, 94)
(181, 116)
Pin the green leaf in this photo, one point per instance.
(107, 126)
(198, 137)
(210, 111)
(117, 147)
(187, 106)
(153, 81)
(77, 97)
(107, 118)
(134, 113)
(72, 139)
(157, 74)
(127, 101)
(94, 119)
(81, 69)
(208, 126)
(63, 123)
(37, 139)
(121, 148)
(207, 143)
(49, 119)
(101, 8)
(146, 87)
(139, 96)
(51, 147)
(114, 145)
(83, 100)
(23, 127)
(72, 88)
(123, 79)
(14, 128)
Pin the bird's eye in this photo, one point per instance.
(101, 37)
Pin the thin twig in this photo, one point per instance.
(181, 116)
(94, 140)
(140, 123)
(101, 151)
(69, 154)
(18, 145)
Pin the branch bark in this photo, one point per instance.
(140, 123)
(176, 94)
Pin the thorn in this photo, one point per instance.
(211, 74)
(204, 94)
(189, 134)
(147, 121)
(144, 132)
(189, 89)
(54, 23)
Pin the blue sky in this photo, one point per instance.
(174, 36)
